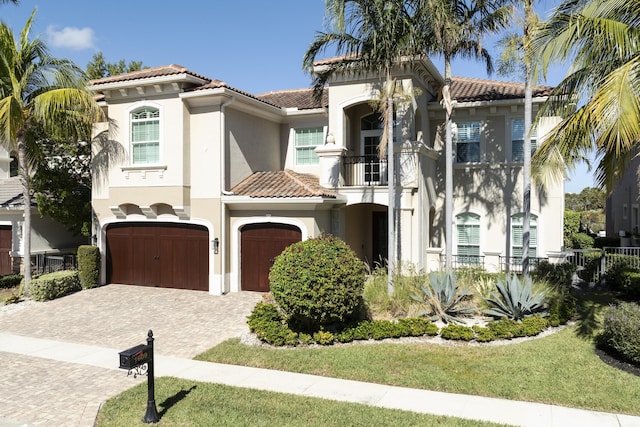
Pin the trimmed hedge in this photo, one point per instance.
(10, 281)
(88, 266)
(55, 285)
(318, 282)
(622, 331)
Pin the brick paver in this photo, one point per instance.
(43, 392)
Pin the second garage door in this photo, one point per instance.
(260, 244)
(158, 254)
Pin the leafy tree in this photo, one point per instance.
(455, 28)
(98, 67)
(62, 183)
(37, 90)
(601, 95)
(589, 199)
(370, 35)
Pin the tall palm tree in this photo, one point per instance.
(455, 28)
(600, 97)
(369, 36)
(37, 90)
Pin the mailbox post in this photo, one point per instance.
(132, 359)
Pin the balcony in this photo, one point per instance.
(360, 171)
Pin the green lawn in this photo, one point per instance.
(560, 369)
(187, 403)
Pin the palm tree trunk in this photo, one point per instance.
(448, 197)
(26, 229)
(391, 257)
(526, 167)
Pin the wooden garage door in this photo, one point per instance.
(160, 255)
(5, 250)
(259, 245)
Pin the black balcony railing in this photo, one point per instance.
(48, 263)
(364, 170)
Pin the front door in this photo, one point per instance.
(380, 235)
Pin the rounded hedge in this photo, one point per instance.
(318, 282)
(621, 331)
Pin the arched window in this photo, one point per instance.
(468, 238)
(516, 235)
(145, 136)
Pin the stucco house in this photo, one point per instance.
(200, 185)
(622, 211)
(47, 235)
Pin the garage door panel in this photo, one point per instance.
(260, 244)
(158, 254)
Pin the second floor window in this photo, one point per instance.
(306, 142)
(145, 136)
(468, 142)
(517, 140)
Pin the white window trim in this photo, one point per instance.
(455, 231)
(131, 109)
(295, 147)
(509, 138)
(481, 142)
(539, 246)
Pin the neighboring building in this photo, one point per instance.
(47, 236)
(201, 184)
(622, 215)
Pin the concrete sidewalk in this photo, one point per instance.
(105, 360)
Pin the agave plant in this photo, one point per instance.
(444, 298)
(516, 300)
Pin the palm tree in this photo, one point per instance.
(369, 36)
(455, 28)
(38, 91)
(600, 97)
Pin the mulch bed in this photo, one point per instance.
(611, 360)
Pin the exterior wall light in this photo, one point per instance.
(216, 245)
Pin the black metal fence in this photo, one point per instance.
(512, 264)
(458, 261)
(48, 263)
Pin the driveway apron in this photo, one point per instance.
(37, 391)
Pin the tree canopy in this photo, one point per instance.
(98, 67)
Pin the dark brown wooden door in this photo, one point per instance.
(5, 250)
(161, 255)
(259, 245)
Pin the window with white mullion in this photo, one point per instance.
(306, 141)
(145, 136)
(468, 236)
(516, 236)
(467, 139)
(517, 140)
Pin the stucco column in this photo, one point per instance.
(330, 156)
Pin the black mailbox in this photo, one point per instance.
(135, 356)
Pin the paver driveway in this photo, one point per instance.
(43, 392)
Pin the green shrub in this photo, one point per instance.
(88, 266)
(515, 300)
(55, 285)
(323, 337)
(457, 332)
(591, 266)
(445, 300)
(506, 328)
(582, 241)
(617, 266)
(269, 326)
(559, 275)
(571, 226)
(630, 284)
(10, 281)
(262, 314)
(416, 327)
(317, 282)
(534, 325)
(621, 331)
(483, 334)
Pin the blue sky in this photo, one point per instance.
(253, 45)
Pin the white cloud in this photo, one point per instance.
(71, 37)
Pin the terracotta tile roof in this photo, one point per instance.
(465, 89)
(11, 193)
(147, 73)
(302, 99)
(282, 184)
